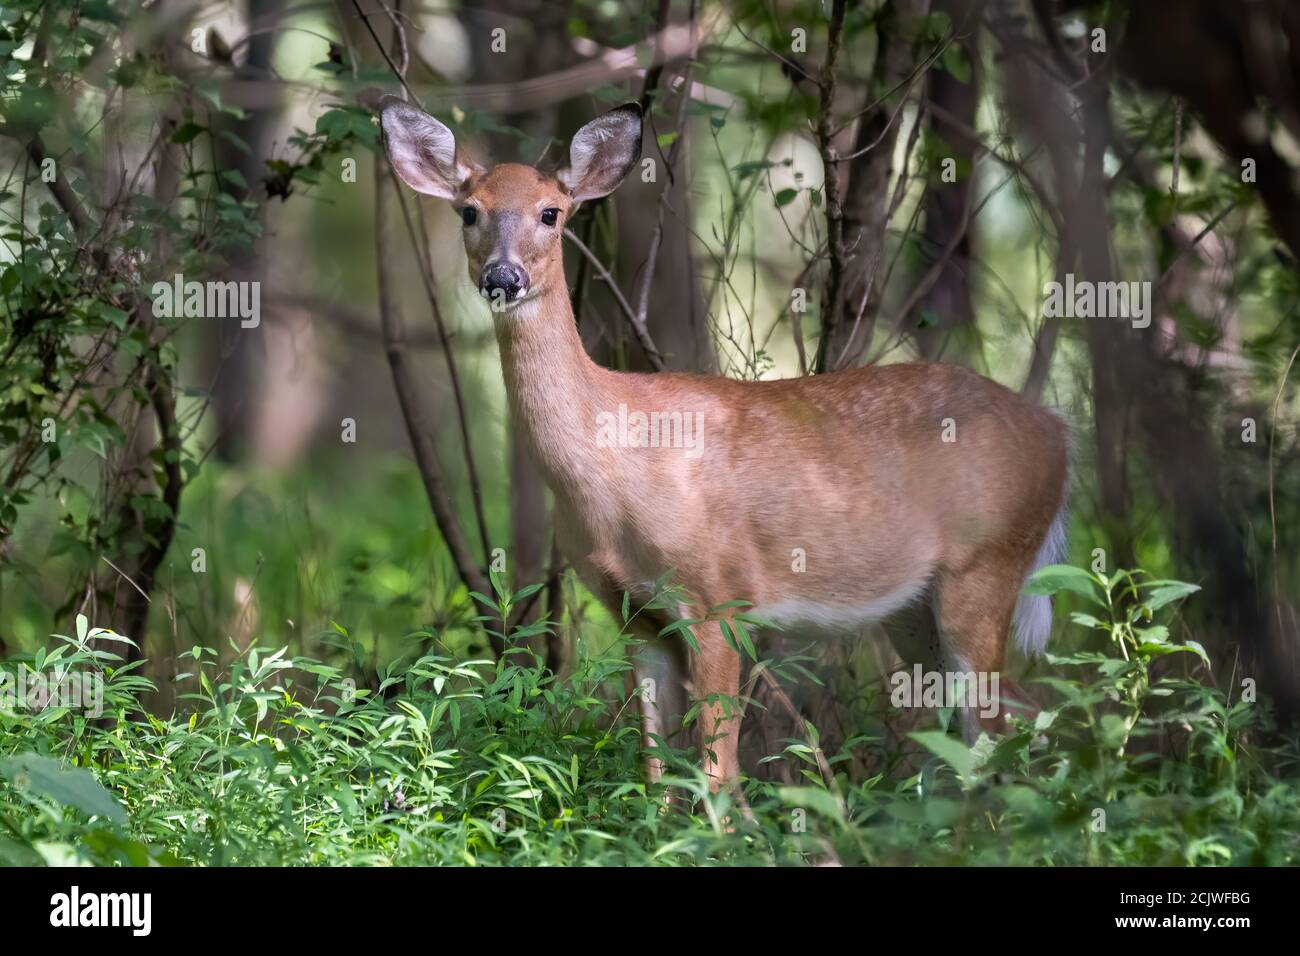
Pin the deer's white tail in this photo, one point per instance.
(1033, 616)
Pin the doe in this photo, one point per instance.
(922, 493)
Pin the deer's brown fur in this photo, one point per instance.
(852, 470)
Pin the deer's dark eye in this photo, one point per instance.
(468, 215)
(549, 216)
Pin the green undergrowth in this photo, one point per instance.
(272, 759)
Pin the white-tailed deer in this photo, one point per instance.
(923, 493)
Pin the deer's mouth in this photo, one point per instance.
(501, 304)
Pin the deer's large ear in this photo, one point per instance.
(602, 153)
(423, 151)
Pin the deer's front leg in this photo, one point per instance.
(715, 671)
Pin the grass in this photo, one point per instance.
(273, 759)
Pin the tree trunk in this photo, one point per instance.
(867, 192)
(947, 313)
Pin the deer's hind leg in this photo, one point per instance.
(658, 673)
(658, 680)
(973, 609)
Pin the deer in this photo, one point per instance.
(920, 495)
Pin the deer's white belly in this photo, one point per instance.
(844, 617)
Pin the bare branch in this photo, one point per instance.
(639, 329)
(831, 186)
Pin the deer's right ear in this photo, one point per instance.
(423, 151)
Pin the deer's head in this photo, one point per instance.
(513, 214)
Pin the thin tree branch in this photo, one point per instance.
(639, 329)
(419, 240)
(395, 348)
(831, 186)
(417, 428)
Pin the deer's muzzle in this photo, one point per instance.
(502, 280)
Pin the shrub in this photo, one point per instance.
(279, 760)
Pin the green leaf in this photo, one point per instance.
(1063, 577)
(186, 132)
(71, 787)
(338, 125)
(948, 749)
(955, 62)
(1114, 731)
(737, 638)
(1166, 592)
(816, 799)
(523, 594)
(234, 177)
(1199, 650)
(1160, 648)
(682, 626)
(728, 605)
(747, 169)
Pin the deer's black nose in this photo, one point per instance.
(502, 280)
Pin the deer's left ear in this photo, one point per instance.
(423, 151)
(602, 153)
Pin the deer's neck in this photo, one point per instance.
(555, 389)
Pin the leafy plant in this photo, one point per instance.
(276, 759)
